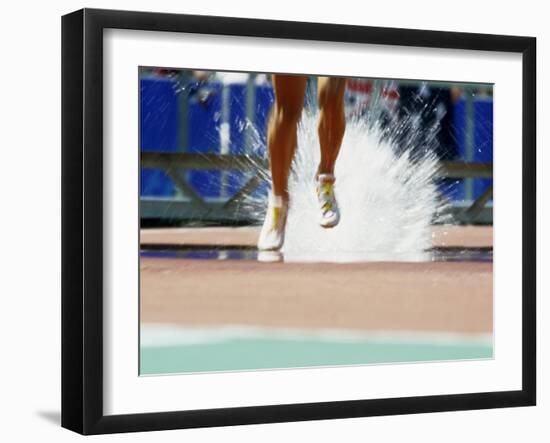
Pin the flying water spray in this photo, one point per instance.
(387, 196)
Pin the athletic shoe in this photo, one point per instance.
(270, 256)
(329, 214)
(272, 235)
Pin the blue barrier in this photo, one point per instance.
(203, 134)
(264, 101)
(483, 141)
(158, 127)
(237, 132)
(238, 122)
(159, 131)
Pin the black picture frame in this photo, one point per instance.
(82, 219)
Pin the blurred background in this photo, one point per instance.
(203, 139)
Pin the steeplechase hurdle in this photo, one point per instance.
(189, 205)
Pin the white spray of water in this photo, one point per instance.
(387, 200)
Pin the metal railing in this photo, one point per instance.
(194, 207)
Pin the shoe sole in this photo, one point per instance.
(329, 225)
(270, 256)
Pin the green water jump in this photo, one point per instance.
(242, 354)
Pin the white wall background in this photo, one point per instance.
(30, 219)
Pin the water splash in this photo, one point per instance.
(387, 197)
(387, 200)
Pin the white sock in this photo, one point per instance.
(276, 200)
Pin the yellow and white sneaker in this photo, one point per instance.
(329, 215)
(272, 235)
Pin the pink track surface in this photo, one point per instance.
(432, 296)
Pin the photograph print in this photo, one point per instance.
(296, 221)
